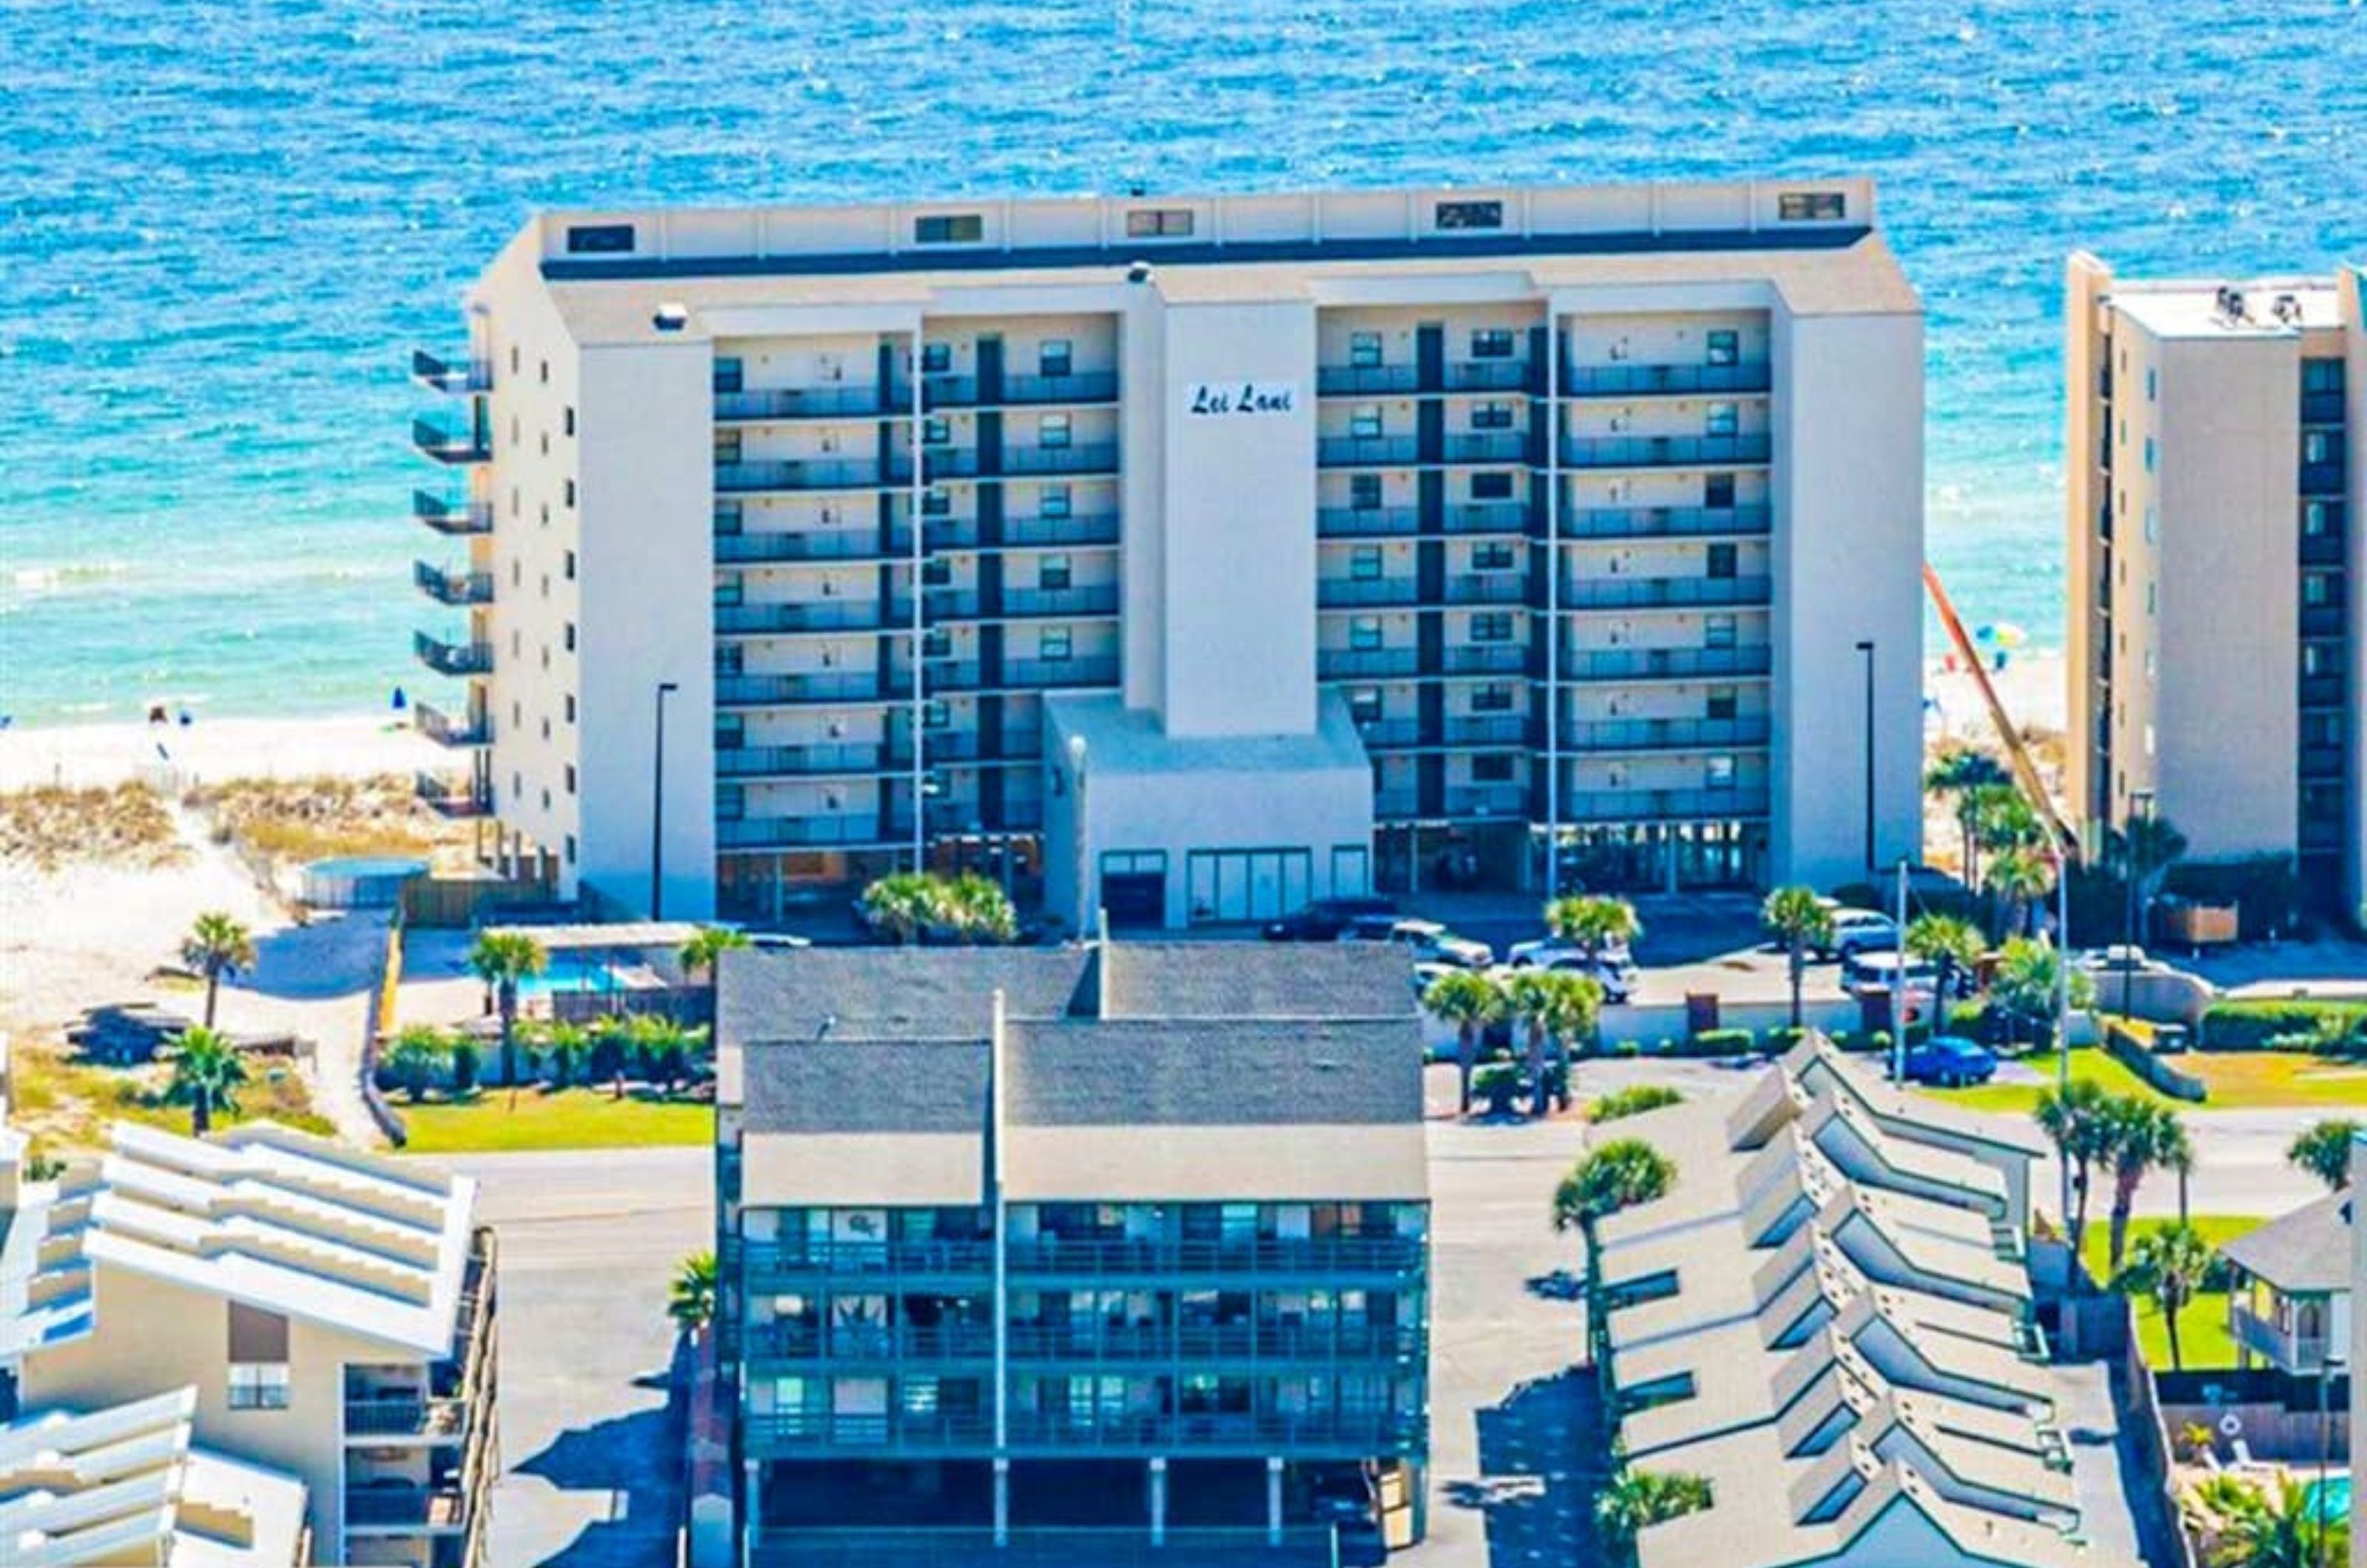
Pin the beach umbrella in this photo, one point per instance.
(2010, 635)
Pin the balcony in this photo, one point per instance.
(1490, 376)
(460, 378)
(809, 616)
(1347, 1434)
(791, 1430)
(968, 746)
(1487, 730)
(1114, 1256)
(445, 730)
(2321, 762)
(1461, 732)
(1487, 588)
(2322, 620)
(2322, 479)
(1035, 1546)
(1663, 805)
(1100, 457)
(1487, 659)
(831, 544)
(802, 762)
(402, 1507)
(1662, 734)
(2322, 407)
(822, 687)
(1662, 592)
(461, 659)
(447, 587)
(1488, 447)
(1367, 522)
(1489, 517)
(1078, 386)
(1664, 451)
(1366, 451)
(383, 1416)
(1662, 380)
(741, 407)
(2321, 549)
(1056, 674)
(453, 519)
(1664, 522)
(1394, 805)
(2321, 691)
(454, 799)
(1079, 600)
(1664, 664)
(803, 832)
(1365, 663)
(1100, 528)
(1349, 594)
(450, 442)
(804, 1340)
(810, 473)
(1487, 800)
(1362, 380)
(2287, 1350)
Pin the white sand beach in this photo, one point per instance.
(2030, 686)
(212, 750)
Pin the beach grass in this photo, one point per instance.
(285, 822)
(66, 1103)
(52, 828)
(2202, 1336)
(491, 1122)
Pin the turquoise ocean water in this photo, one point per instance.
(225, 225)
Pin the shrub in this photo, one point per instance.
(2285, 1025)
(1781, 1040)
(1633, 1101)
(1500, 1084)
(466, 1054)
(1719, 1043)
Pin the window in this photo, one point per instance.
(257, 1354)
(1054, 358)
(597, 239)
(1724, 347)
(730, 375)
(1492, 767)
(1052, 643)
(1723, 419)
(1364, 564)
(1717, 772)
(936, 713)
(1720, 702)
(1717, 631)
(1491, 699)
(1491, 343)
(1494, 627)
(571, 709)
(2152, 521)
(546, 372)
(2321, 376)
(1811, 206)
(936, 431)
(1364, 421)
(937, 642)
(2153, 385)
(1364, 350)
(571, 492)
(570, 849)
(1364, 705)
(727, 445)
(571, 566)
(936, 358)
(258, 1385)
(731, 802)
(1494, 555)
(1052, 571)
(1721, 560)
(571, 637)
(2316, 588)
(571, 778)
(569, 416)
(935, 502)
(1491, 487)
(1159, 223)
(1364, 492)
(2314, 521)
(1052, 430)
(936, 572)
(1717, 491)
(1470, 215)
(1055, 501)
(1491, 416)
(2149, 453)
(2316, 446)
(949, 229)
(1364, 633)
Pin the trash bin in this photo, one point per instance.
(2170, 1039)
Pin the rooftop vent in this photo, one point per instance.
(1140, 272)
(671, 317)
(2287, 309)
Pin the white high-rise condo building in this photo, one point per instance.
(1187, 557)
(2214, 453)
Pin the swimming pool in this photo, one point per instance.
(583, 974)
(2337, 1498)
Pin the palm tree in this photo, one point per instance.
(701, 952)
(1471, 1002)
(2325, 1152)
(690, 1299)
(2140, 852)
(1594, 921)
(564, 1044)
(419, 1052)
(1638, 1499)
(2139, 1134)
(216, 945)
(2021, 877)
(1800, 920)
(2168, 1263)
(1963, 773)
(207, 1073)
(2028, 970)
(978, 909)
(1558, 1007)
(2072, 1117)
(662, 1048)
(1619, 1175)
(2290, 1531)
(502, 959)
(1953, 944)
(901, 905)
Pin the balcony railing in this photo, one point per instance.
(1487, 800)
(1078, 386)
(2321, 762)
(2322, 407)
(1054, 675)
(1488, 447)
(788, 761)
(370, 1507)
(1357, 380)
(1663, 664)
(447, 587)
(405, 1416)
(1663, 805)
(1663, 451)
(461, 377)
(1367, 522)
(969, 745)
(1662, 734)
(763, 1259)
(1088, 1255)
(795, 832)
(1664, 522)
(1487, 588)
(1652, 380)
(1349, 1432)
(451, 797)
(1079, 600)
(2321, 549)
(1100, 528)
(1036, 1546)
(444, 730)
(829, 686)
(1662, 592)
(1492, 729)
(1490, 376)
(1489, 517)
(450, 443)
(814, 402)
(810, 473)
(2321, 691)
(2290, 1351)
(1344, 593)
(452, 658)
(1366, 451)
(832, 544)
(455, 519)
(1460, 731)
(1366, 664)
(2322, 620)
(1099, 458)
(1394, 805)
(1487, 659)
(809, 616)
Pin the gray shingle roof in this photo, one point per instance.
(913, 991)
(855, 1085)
(1231, 979)
(1201, 1073)
(2307, 1250)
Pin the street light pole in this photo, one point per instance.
(2328, 1364)
(657, 809)
(1077, 837)
(2132, 870)
(2063, 1007)
(1865, 647)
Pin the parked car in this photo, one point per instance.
(1950, 1060)
(1426, 939)
(2119, 956)
(1860, 930)
(1611, 969)
(1325, 918)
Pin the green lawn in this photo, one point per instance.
(2022, 1099)
(2202, 1325)
(2246, 1080)
(554, 1119)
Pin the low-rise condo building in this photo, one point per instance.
(127, 1488)
(1185, 557)
(2214, 460)
(1828, 1320)
(2289, 1304)
(330, 1315)
(1128, 1238)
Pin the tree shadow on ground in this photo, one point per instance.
(638, 1460)
(1543, 1455)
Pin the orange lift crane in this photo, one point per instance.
(2025, 771)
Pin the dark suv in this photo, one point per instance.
(1325, 918)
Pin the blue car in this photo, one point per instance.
(1951, 1061)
